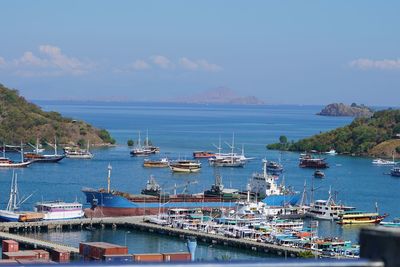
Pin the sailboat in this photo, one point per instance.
(11, 214)
(144, 150)
(44, 158)
(8, 163)
(229, 159)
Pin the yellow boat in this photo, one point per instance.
(360, 217)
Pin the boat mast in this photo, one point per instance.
(109, 178)
(22, 152)
(15, 207)
(11, 199)
(55, 145)
(37, 145)
(147, 138)
(4, 150)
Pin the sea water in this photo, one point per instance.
(180, 129)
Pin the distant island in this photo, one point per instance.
(340, 109)
(377, 136)
(22, 121)
(220, 95)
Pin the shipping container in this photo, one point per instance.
(23, 254)
(9, 246)
(59, 255)
(150, 257)
(97, 250)
(42, 254)
(177, 256)
(37, 261)
(118, 258)
(31, 217)
(8, 262)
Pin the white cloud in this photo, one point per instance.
(200, 64)
(49, 62)
(385, 64)
(140, 65)
(162, 62)
(188, 64)
(204, 65)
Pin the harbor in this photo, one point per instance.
(127, 223)
(128, 174)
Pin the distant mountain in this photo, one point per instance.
(220, 96)
(340, 109)
(22, 121)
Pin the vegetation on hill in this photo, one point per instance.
(21, 121)
(340, 109)
(373, 136)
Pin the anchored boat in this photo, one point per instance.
(186, 166)
(360, 217)
(161, 163)
(107, 202)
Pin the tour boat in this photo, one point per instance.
(395, 171)
(8, 163)
(43, 158)
(308, 161)
(59, 210)
(145, 150)
(162, 163)
(231, 159)
(203, 154)
(327, 209)
(187, 166)
(274, 167)
(78, 153)
(360, 217)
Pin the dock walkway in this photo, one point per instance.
(137, 222)
(37, 243)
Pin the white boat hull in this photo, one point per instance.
(8, 216)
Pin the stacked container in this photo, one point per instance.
(59, 255)
(149, 257)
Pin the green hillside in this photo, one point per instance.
(361, 137)
(21, 121)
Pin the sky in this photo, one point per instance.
(283, 52)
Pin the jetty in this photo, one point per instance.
(135, 223)
(38, 243)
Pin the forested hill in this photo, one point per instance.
(375, 136)
(22, 121)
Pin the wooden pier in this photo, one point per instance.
(136, 223)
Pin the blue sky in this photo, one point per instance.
(284, 52)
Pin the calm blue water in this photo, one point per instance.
(181, 129)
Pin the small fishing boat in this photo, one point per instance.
(161, 163)
(331, 152)
(394, 223)
(360, 217)
(319, 174)
(274, 167)
(187, 166)
(383, 162)
(203, 154)
(59, 210)
(395, 171)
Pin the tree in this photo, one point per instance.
(283, 139)
(398, 149)
(130, 142)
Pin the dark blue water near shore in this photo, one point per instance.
(179, 130)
